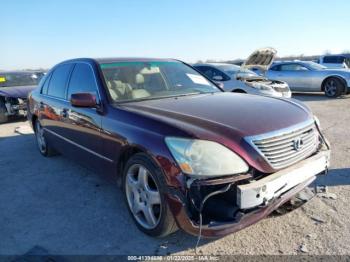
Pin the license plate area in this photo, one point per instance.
(272, 186)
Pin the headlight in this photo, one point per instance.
(259, 86)
(205, 158)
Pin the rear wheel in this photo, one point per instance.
(43, 146)
(333, 87)
(145, 198)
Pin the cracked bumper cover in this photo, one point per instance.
(218, 229)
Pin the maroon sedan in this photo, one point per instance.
(186, 154)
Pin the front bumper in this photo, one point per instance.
(248, 216)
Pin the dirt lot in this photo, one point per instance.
(63, 208)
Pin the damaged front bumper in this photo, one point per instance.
(251, 200)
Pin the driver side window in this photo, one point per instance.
(82, 81)
(293, 67)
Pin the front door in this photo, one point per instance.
(83, 125)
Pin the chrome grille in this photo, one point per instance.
(287, 148)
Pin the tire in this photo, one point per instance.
(43, 146)
(239, 91)
(333, 87)
(142, 184)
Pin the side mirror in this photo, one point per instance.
(218, 78)
(83, 100)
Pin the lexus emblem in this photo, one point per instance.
(298, 144)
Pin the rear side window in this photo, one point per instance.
(82, 80)
(57, 85)
(293, 67)
(46, 84)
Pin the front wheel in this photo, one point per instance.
(144, 195)
(333, 87)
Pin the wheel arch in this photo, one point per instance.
(123, 158)
(33, 119)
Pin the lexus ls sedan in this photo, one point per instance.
(311, 77)
(186, 154)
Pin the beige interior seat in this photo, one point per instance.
(139, 92)
(111, 91)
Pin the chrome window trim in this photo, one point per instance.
(80, 146)
(280, 132)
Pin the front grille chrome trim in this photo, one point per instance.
(277, 147)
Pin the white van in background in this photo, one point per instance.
(335, 61)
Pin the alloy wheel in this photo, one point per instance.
(143, 196)
(331, 88)
(39, 133)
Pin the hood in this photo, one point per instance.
(235, 114)
(261, 58)
(16, 91)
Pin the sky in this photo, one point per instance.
(41, 33)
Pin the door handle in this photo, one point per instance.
(64, 113)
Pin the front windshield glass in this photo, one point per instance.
(315, 66)
(20, 78)
(132, 81)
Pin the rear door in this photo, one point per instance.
(53, 103)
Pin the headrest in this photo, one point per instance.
(139, 79)
(152, 70)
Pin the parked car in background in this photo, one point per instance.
(242, 80)
(335, 61)
(304, 76)
(14, 89)
(186, 153)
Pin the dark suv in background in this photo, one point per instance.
(186, 153)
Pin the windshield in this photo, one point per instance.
(315, 66)
(132, 81)
(20, 78)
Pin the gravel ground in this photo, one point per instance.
(61, 207)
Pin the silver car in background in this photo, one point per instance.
(308, 76)
(240, 79)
